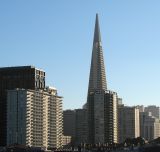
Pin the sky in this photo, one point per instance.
(57, 36)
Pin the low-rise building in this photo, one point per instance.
(67, 140)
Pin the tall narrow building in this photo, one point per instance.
(128, 122)
(27, 77)
(101, 103)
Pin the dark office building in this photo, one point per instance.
(69, 123)
(27, 77)
(81, 126)
(75, 125)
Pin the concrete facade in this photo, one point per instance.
(141, 108)
(128, 122)
(111, 117)
(154, 110)
(67, 140)
(81, 126)
(34, 118)
(27, 77)
(149, 126)
(75, 125)
(69, 123)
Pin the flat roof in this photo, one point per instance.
(20, 67)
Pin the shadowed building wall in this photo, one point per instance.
(27, 77)
(129, 123)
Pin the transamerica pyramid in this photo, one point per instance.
(101, 103)
(97, 80)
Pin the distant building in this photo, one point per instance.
(128, 122)
(75, 125)
(81, 125)
(84, 106)
(103, 127)
(101, 103)
(141, 108)
(120, 101)
(27, 77)
(149, 126)
(69, 123)
(154, 110)
(67, 140)
(34, 118)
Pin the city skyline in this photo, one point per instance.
(59, 42)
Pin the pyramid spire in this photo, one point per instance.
(97, 80)
(97, 34)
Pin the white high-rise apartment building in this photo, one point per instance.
(34, 118)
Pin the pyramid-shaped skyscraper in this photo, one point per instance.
(97, 73)
(101, 103)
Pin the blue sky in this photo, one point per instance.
(57, 35)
